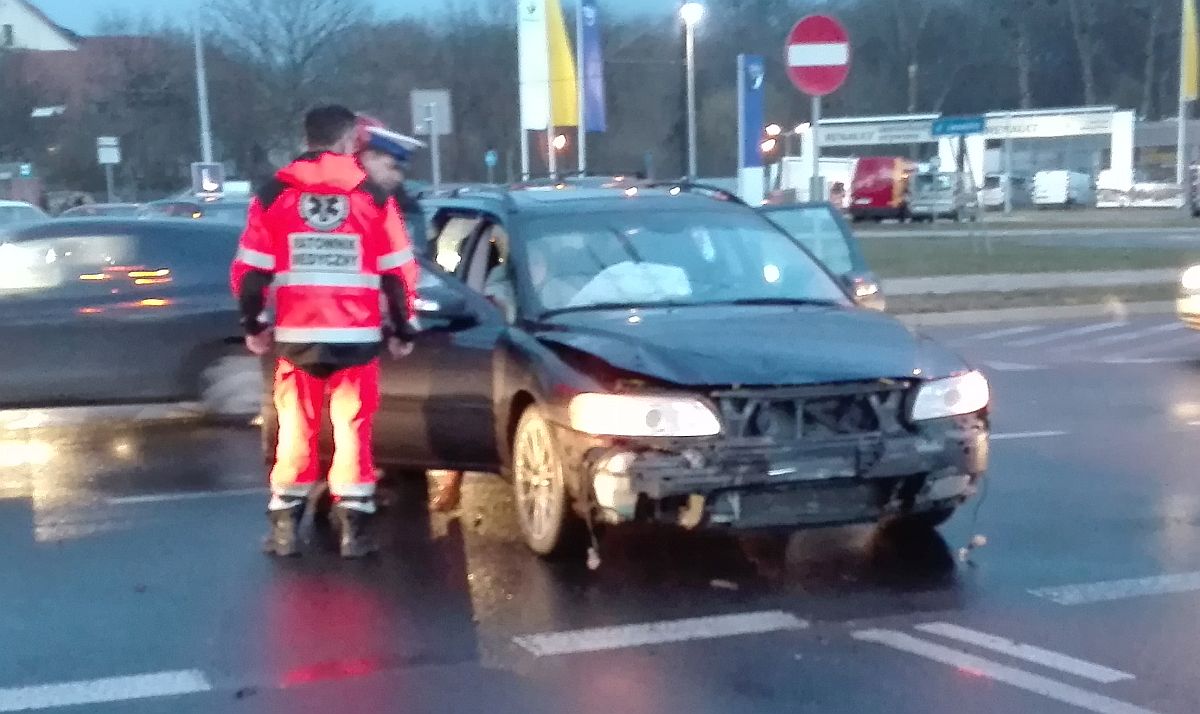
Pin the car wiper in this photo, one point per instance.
(779, 301)
(614, 306)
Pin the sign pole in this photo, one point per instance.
(816, 188)
(435, 145)
(1008, 167)
(581, 87)
(206, 148)
(108, 180)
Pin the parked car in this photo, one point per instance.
(232, 210)
(995, 186)
(1064, 189)
(102, 210)
(19, 212)
(1187, 303)
(653, 354)
(879, 189)
(120, 310)
(821, 229)
(938, 195)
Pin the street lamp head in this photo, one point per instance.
(691, 13)
(801, 128)
(774, 130)
(769, 145)
(560, 142)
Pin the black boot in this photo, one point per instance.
(354, 528)
(284, 539)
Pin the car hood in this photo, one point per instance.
(711, 346)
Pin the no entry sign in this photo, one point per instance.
(817, 55)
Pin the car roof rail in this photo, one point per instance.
(700, 188)
(488, 191)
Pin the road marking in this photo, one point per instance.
(1030, 682)
(97, 691)
(999, 366)
(1150, 360)
(1028, 435)
(653, 633)
(1088, 593)
(186, 496)
(1075, 332)
(1139, 334)
(1006, 332)
(1029, 653)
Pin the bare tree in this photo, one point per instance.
(911, 19)
(1153, 12)
(1084, 16)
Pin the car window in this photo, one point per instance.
(451, 240)
(186, 254)
(17, 214)
(817, 229)
(65, 266)
(233, 213)
(648, 258)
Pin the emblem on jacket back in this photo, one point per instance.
(324, 213)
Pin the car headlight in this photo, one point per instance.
(964, 394)
(1190, 280)
(642, 415)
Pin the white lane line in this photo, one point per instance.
(652, 633)
(1030, 682)
(1064, 334)
(1088, 593)
(97, 691)
(1139, 334)
(1151, 360)
(1166, 345)
(185, 496)
(1029, 653)
(998, 366)
(1028, 435)
(1006, 332)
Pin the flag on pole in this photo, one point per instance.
(533, 64)
(564, 93)
(592, 72)
(1189, 60)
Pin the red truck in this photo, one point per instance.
(880, 188)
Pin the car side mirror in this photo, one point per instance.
(866, 291)
(440, 304)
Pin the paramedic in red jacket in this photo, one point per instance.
(327, 247)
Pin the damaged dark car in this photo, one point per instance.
(661, 355)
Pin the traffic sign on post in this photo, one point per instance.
(958, 126)
(208, 179)
(818, 55)
(108, 150)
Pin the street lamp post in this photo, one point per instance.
(691, 13)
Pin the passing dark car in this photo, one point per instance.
(102, 210)
(229, 210)
(655, 354)
(121, 310)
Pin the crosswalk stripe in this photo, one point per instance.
(999, 366)
(1139, 334)
(1006, 332)
(99, 691)
(1019, 678)
(1066, 334)
(1029, 653)
(650, 633)
(1088, 593)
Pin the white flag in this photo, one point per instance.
(534, 62)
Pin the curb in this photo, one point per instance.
(96, 416)
(1115, 311)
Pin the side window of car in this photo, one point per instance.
(452, 237)
(66, 267)
(189, 254)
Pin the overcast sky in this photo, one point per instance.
(82, 16)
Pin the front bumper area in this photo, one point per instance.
(762, 483)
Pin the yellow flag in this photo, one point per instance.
(1189, 56)
(564, 93)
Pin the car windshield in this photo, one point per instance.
(818, 230)
(661, 258)
(233, 212)
(991, 182)
(17, 214)
(933, 183)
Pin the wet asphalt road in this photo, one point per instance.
(133, 552)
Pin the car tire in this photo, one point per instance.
(231, 386)
(548, 523)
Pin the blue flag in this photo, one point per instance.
(593, 68)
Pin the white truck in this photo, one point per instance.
(1063, 189)
(795, 175)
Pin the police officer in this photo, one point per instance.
(328, 247)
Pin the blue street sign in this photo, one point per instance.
(491, 158)
(958, 126)
(26, 170)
